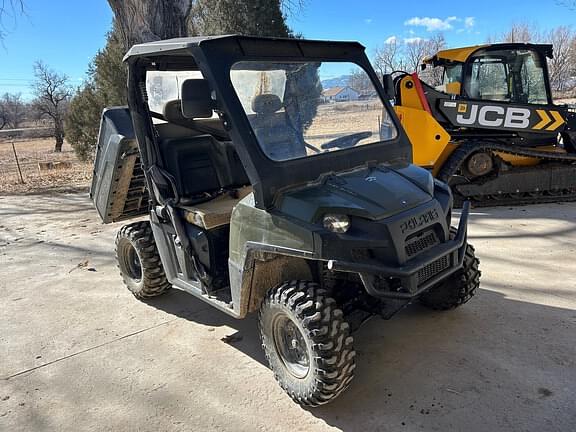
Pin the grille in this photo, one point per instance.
(360, 255)
(420, 243)
(433, 269)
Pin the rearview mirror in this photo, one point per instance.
(196, 99)
(388, 84)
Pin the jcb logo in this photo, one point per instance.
(494, 116)
(502, 116)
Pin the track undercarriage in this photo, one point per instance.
(476, 171)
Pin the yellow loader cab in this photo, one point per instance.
(491, 129)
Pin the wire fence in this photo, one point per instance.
(31, 164)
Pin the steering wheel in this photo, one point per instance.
(346, 141)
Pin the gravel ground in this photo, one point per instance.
(78, 352)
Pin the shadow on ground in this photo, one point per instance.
(423, 365)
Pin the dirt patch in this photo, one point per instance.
(344, 118)
(42, 169)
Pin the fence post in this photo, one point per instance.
(17, 162)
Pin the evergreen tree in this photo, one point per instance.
(247, 17)
(262, 18)
(106, 83)
(105, 86)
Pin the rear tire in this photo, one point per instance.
(307, 342)
(456, 289)
(139, 261)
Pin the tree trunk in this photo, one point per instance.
(149, 20)
(59, 143)
(58, 135)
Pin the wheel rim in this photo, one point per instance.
(130, 262)
(480, 164)
(291, 346)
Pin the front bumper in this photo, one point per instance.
(376, 278)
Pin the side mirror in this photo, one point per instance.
(388, 84)
(196, 99)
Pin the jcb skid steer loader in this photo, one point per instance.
(491, 130)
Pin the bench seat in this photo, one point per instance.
(216, 212)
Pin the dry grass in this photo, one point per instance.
(333, 120)
(32, 151)
(344, 118)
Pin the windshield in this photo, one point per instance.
(299, 110)
(508, 76)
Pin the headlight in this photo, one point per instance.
(337, 223)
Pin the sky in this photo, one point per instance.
(66, 34)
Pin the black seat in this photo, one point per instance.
(193, 162)
(199, 163)
(279, 139)
(237, 176)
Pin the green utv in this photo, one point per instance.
(270, 190)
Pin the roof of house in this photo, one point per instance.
(333, 91)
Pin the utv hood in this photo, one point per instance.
(372, 193)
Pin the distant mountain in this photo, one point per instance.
(341, 81)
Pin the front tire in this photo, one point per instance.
(307, 342)
(457, 289)
(139, 261)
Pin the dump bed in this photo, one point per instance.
(118, 185)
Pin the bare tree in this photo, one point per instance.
(12, 110)
(563, 65)
(359, 81)
(9, 9)
(570, 4)
(389, 57)
(149, 20)
(433, 75)
(3, 116)
(416, 51)
(52, 93)
(521, 32)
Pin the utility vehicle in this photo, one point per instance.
(265, 196)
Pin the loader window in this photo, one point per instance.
(515, 76)
(452, 73)
(532, 76)
(489, 80)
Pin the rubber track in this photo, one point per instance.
(140, 235)
(333, 356)
(463, 151)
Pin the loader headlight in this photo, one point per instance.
(337, 223)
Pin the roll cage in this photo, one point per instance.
(214, 57)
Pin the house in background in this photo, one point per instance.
(368, 94)
(339, 94)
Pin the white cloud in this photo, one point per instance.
(469, 22)
(414, 40)
(391, 40)
(432, 24)
(368, 20)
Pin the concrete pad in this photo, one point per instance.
(79, 352)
